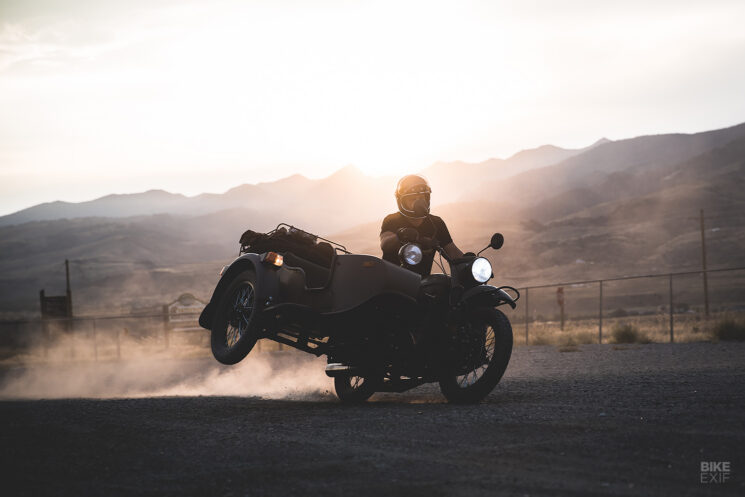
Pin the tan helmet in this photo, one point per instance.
(411, 185)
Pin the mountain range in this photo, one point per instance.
(613, 208)
(296, 192)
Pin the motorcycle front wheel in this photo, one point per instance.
(234, 329)
(486, 365)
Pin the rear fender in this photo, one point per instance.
(487, 296)
(266, 285)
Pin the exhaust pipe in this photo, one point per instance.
(338, 369)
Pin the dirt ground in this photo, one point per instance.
(601, 420)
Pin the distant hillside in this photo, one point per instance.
(617, 208)
(442, 175)
(344, 197)
(589, 169)
(334, 202)
(643, 219)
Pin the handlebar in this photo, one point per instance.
(467, 257)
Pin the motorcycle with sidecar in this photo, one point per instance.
(383, 327)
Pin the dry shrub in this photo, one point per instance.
(540, 339)
(729, 329)
(575, 338)
(568, 348)
(585, 337)
(628, 333)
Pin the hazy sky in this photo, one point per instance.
(102, 96)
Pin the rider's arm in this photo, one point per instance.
(446, 241)
(452, 251)
(389, 241)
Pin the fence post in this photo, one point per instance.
(672, 336)
(703, 264)
(600, 314)
(46, 336)
(95, 341)
(165, 325)
(560, 301)
(71, 327)
(526, 316)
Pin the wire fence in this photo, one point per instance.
(679, 306)
(650, 307)
(109, 337)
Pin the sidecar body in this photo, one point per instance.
(317, 293)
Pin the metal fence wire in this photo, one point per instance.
(651, 305)
(658, 307)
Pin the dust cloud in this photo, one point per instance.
(271, 375)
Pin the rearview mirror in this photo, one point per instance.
(497, 240)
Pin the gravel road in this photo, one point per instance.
(601, 420)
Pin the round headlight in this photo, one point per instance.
(411, 254)
(481, 270)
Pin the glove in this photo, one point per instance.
(406, 235)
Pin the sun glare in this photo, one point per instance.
(203, 96)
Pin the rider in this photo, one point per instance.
(413, 222)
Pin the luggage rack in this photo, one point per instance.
(294, 229)
(290, 229)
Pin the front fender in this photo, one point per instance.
(266, 285)
(487, 296)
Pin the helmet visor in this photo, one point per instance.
(410, 200)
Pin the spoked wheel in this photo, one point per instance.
(234, 330)
(489, 334)
(353, 389)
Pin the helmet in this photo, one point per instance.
(410, 186)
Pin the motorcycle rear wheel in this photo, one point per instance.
(352, 389)
(478, 382)
(235, 329)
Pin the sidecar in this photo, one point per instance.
(299, 289)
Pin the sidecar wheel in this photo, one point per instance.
(488, 368)
(234, 329)
(353, 389)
